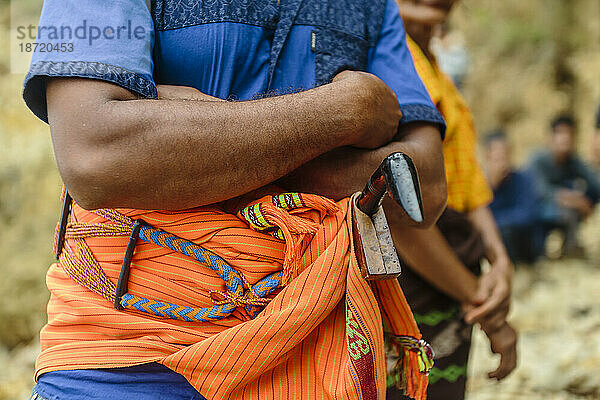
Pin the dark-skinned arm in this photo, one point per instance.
(431, 257)
(493, 297)
(346, 170)
(115, 150)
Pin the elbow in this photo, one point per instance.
(87, 199)
(434, 203)
(87, 133)
(86, 177)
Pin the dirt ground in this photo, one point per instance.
(556, 309)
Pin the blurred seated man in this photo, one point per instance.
(569, 189)
(514, 201)
(595, 147)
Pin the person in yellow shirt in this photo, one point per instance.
(443, 284)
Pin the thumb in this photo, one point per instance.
(482, 293)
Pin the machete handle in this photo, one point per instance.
(397, 175)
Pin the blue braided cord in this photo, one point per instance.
(264, 287)
(137, 304)
(268, 284)
(230, 276)
(214, 313)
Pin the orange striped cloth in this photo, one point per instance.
(468, 188)
(320, 337)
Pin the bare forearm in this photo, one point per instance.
(484, 221)
(346, 170)
(174, 154)
(431, 257)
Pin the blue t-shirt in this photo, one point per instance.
(222, 48)
(231, 49)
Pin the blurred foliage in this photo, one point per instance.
(29, 189)
(531, 60)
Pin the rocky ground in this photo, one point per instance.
(557, 313)
(556, 310)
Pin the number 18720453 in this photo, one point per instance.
(33, 47)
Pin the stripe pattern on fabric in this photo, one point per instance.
(296, 347)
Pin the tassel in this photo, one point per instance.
(277, 217)
(416, 360)
(294, 229)
(320, 203)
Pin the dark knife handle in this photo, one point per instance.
(397, 175)
(371, 197)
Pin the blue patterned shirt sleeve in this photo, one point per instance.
(111, 41)
(391, 61)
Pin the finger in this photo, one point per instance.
(484, 289)
(505, 344)
(498, 296)
(466, 307)
(481, 295)
(482, 311)
(494, 322)
(508, 362)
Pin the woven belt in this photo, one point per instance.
(239, 292)
(85, 270)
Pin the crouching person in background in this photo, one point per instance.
(515, 200)
(569, 189)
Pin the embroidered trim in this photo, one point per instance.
(362, 19)
(358, 345)
(360, 350)
(34, 91)
(169, 14)
(359, 18)
(450, 374)
(420, 112)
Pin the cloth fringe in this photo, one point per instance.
(279, 220)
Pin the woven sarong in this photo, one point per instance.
(319, 337)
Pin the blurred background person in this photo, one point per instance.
(443, 283)
(595, 146)
(451, 53)
(568, 188)
(515, 198)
